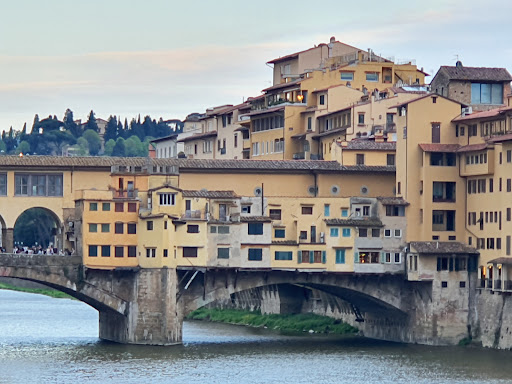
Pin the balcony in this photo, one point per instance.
(126, 193)
(193, 214)
(299, 156)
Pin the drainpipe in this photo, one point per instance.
(262, 201)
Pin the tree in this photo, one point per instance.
(111, 129)
(35, 125)
(83, 146)
(109, 147)
(133, 147)
(91, 122)
(50, 124)
(118, 148)
(93, 141)
(23, 147)
(70, 125)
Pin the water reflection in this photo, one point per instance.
(44, 340)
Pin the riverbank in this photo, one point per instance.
(286, 323)
(41, 291)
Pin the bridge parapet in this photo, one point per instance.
(26, 260)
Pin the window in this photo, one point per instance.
(119, 207)
(255, 228)
(278, 145)
(310, 123)
(132, 251)
(119, 251)
(149, 225)
(344, 212)
(37, 185)
(275, 214)
(509, 185)
(366, 210)
(223, 229)
(132, 207)
(360, 119)
(307, 210)
(375, 232)
(93, 206)
(105, 206)
(282, 255)
(327, 210)
(509, 156)
(335, 232)
(486, 93)
(436, 133)
(398, 257)
(360, 159)
(347, 76)
(444, 284)
(93, 250)
(387, 233)
(372, 76)
(345, 232)
(279, 233)
(132, 228)
(390, 159)
(3, 184)
(151, 252)
(509, 214)
(303, 235)
(322, 100)
(166, 253)
(118, 228)
(192, 228)
(255, 254)
(222, 253)
(340, 256)
(105, 251)
(363, 232)
(398, 233)
(93, 227)
(395, 210)
(167, 198)
(105, 228)
(246, 209)
(189, 251)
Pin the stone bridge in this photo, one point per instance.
(147, 306)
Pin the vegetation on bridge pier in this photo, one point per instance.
(41, 291)
(285, 323)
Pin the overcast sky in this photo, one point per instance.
(168, 58)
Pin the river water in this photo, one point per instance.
(46, 340)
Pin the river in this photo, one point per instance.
(46, 340)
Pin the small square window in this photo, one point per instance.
(93, 250)
(222, 253)
(307, 210)
(344, 212)
(132, 207)
(105, 206)
(105, 250)
(335, 232)
(462, 284)
(132, 251)
(93, 227)
(375, 232)
(192, 228)
(363, 232)
(93, 206)
(279, 233)
(303, 235)
(119, 228)
(105, 228)
(132, 228)
(275, 214)
(398, 233)
(444, 284)
(346, 232)
(387, 233)
(119, 252)
(119, 207)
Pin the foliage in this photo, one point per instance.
(286, 323)
(47, 292)
(91, 122)
(109, 147)
(34, 226)
(119, 148)
(24, 147)
(93, 141)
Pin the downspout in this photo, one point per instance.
(315, 185)
(262, 201)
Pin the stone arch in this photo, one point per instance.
(55, 232)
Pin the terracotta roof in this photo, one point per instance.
(282, 85)
(501, 260)
(476, 73)
(329, 87)
(327, 133)
(500, 138)
(71, 161)
(473, 147)
(370, 145)
(234, 108)
(392, 200)
(439, 147)
(439, 247)
(266, 110)
(334, 112)
(484, 114)
(165, 138)
(356, 222)
(424, 97)
(292, 55)
(211, 194)
(284, 242)
(198, 136)
(255, 219)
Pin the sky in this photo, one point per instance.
(167, 59)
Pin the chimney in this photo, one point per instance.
(332, 40)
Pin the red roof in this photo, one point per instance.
(439, 147)
(500, 138)
(198, 136)
(425, 96)
(481, 115)
(473, 147)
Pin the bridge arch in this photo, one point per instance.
(38, 226)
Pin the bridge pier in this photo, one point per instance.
(8, 239)
(152, 317)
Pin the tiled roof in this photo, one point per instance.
(198, 136)
(316, 136)
(476, 73)
(392, 200)
(439, 247)
(279, 107)
(356, 222)
(71, 161)
(255, 219)
(484, 114)
(500, 138)
(211, 194)
(282, 85)
(473, 147)
(439, 147)
(370, 145)
(424, 97)
(165, 138)
(501, 260)
(284, 242)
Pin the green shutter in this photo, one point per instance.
(311, 257)
(299, 257)
(383, 257)
(356, 257)
(324, 257)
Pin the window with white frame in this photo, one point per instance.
(255, 149)
(279, 145)
(167, 198)
(398, 233)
